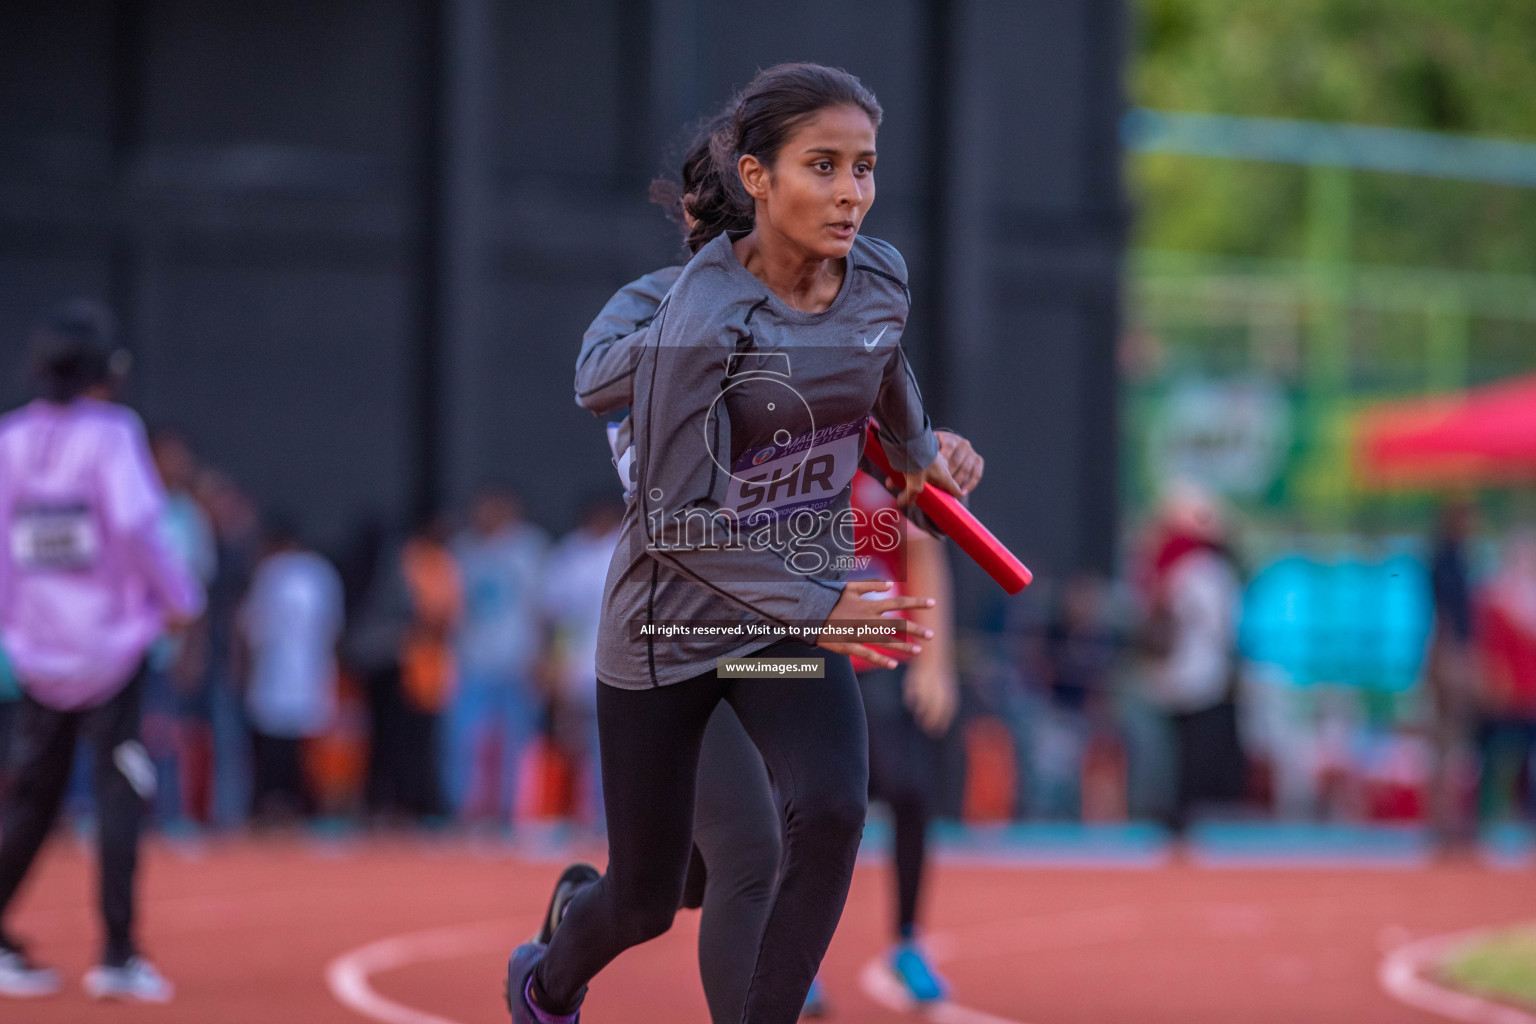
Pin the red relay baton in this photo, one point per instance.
(959, 525)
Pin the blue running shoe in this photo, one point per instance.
(917, 976)
(815, 1001)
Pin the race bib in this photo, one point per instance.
(806, 472)
(54, 538)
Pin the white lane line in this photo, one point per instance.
(349, 975)
(1402, 975)
(1039, 932)
(881, 985)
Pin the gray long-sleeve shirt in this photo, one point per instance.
(605, 370)
(747, 411)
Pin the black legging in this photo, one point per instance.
(737, 847)
(123, 779)
(811, 734)
(902, 763)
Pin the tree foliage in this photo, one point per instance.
(1459, 66)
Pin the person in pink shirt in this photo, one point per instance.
(86, 585)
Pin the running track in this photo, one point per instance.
(416, 932)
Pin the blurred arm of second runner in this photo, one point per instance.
(932, 687)
(605, 366)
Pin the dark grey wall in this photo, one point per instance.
(355, 242)
(1036, 227)
(239, 181)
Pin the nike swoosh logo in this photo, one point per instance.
(870, 343)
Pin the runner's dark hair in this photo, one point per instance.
(695, 186)
(758, 122)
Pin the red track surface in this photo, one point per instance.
(246, 929)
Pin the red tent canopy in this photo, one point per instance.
(1486, 435)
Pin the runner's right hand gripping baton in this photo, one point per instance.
(959, 525)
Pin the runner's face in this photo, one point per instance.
(822, 183)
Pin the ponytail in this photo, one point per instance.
(701, 194)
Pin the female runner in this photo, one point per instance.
(800, 284)
(736, 830)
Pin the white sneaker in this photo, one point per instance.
(20, 978)
(136, 981)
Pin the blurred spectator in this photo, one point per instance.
(176, 707)
(571, 606)
(345, 761)
(289, 625)
(1506, 730)
(1077, 658)
(236, 534)
(372, 646)
(1194, 596)
(1451, 673)
(403, 645)
(87, 584)
(494, 710)
(428, 671)
(1005, 675)
(187, 527)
